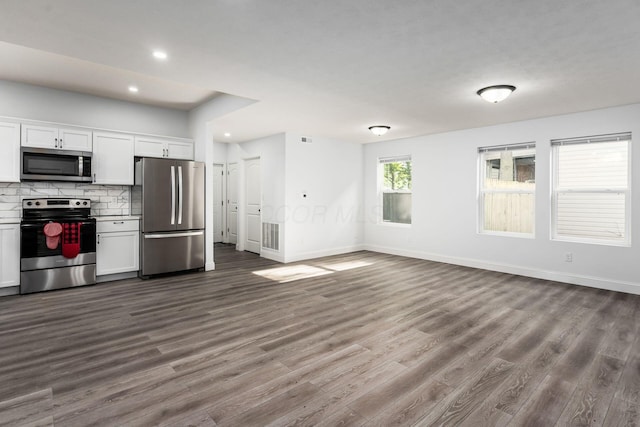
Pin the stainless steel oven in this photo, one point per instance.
(57, 244)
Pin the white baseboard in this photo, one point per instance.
(592, 282)
(272, 255)
(325, 252)
(10, 290)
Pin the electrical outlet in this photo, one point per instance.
(568, 257)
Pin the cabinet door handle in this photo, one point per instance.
(56, 140)
(97, 239)
(60, 142)
(118, 222)
(94, 177)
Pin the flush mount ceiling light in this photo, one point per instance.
(496, 93)
(379, 130)
(227, 134)
(133, 89)
(158, 54)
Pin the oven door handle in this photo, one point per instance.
(42, 224)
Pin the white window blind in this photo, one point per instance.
(406, 158)
(591, 195)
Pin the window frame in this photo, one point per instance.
(555, 189)
(530, 148)
(381, 161)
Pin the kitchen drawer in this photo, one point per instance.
(117, 225)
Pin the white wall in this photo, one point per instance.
(219, 152)
(30, 102)
(444, 217)
(328, 220)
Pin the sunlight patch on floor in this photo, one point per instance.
(291, 273)
(349, 265)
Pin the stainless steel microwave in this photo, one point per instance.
(43, 164)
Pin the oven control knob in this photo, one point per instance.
(29, 203)
(37, 203)
(77, 203)
(84, 203)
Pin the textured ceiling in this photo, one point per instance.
(333, 68)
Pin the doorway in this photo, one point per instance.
(218, 203)
(253, 202)
(232, 203)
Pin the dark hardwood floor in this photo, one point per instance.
(357, 339)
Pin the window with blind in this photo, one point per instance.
(507, 186)
(591, 189)
(394, 182)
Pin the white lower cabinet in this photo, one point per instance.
(9, 255)
(117, 246)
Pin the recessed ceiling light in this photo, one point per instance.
(158, 54)
(496, 93)
(133, 89)
(227, 134)
(379, 130)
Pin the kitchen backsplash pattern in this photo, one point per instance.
(105, 199)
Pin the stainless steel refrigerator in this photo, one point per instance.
(171, 198)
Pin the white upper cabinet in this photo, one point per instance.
(180, 150)
(10, 158)
(73, 139)
(112, 161)
(147, 146)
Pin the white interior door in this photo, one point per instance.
(218, 204)
(232, 202)
(253, 199)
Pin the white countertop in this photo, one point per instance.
(116, 218)
(9, 220)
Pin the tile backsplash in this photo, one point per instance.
(105, 199)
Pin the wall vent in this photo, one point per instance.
(305, 140)
(271, 236)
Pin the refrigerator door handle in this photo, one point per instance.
(170, 235)
(173, 195)
(179, 194)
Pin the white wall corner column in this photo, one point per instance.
(209, 228)
(201, 126)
